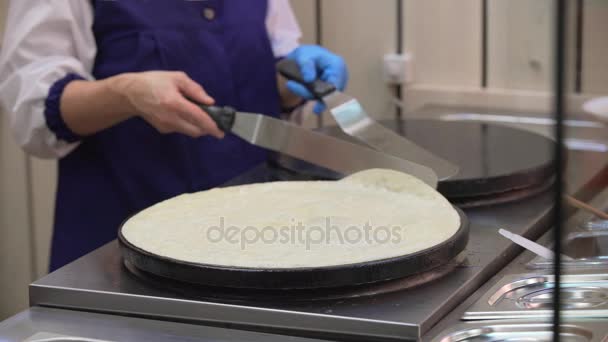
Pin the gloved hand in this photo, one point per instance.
(316, 62)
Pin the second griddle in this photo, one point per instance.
(493, 159)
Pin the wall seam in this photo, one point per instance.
(31, 219)
(580, 21)
(484, 43)
(399, 49)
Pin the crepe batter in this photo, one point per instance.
(372, 215)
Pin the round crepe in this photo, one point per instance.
(372, 215)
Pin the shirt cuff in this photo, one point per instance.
(282, 49)
(52, 111)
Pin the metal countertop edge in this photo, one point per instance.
(240, 316)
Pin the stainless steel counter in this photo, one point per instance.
(46, 324)
(100, 282)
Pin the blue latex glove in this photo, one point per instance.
(316, 62)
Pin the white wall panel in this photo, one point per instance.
(3, 8)
(15, 238)
(520, 44)
(306, 15)
(15, 261)
(445, 38)
(44, 183)
(362, 31)
(595, 47)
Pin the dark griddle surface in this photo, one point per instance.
(492, 159)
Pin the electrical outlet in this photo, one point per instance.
(397, 68)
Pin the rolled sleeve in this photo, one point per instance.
(52, 110)
(283, 28)
(47, 44)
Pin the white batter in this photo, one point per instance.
(372, 215)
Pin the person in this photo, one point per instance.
(105, 87)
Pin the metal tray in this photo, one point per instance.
(524, 330)
(596, 225)
(298, 278)
(589, 250)
(50, 337)
(530, 296)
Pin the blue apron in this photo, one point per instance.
(224, 46)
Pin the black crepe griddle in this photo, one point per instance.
(297, 278)
(494, 160)
(248, 295)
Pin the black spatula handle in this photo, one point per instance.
(223, 116)
(290, 70)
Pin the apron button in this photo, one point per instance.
(209, 13)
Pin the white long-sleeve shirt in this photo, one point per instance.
(46, 39)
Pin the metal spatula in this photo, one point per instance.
(335, 154)
(353, 120)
